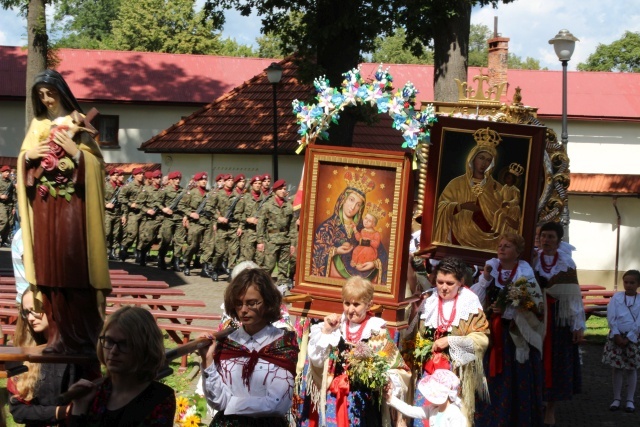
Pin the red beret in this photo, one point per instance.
(136, 171)
(255, 178)
(266, 176)
(175, 174)
(120, 171)
(227, 176)
(148, 174)
(156, 174)
(220, 176)
(114, 171)
(239, 177)
(5, 168)
(279, 183)
(199, 176)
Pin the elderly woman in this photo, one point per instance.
(453, 319)
(61, 202)
(249, 376)
(131, 348)
(513, 301)
(467, 205)
(556, 274)
(335, 238)
(334, 397)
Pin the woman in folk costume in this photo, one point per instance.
(513, 302)
(565, 318)
(61, 202)
(248, 377)
(452, 320)
(336, 395)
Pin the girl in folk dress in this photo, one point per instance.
(622, 350)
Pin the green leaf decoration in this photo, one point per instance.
(53, 192)
(67, 197)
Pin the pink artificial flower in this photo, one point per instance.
(56, 150)
(49, 163)
(43, 190)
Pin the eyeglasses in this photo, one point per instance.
(108, 343)
(25, 312)
(251, 305)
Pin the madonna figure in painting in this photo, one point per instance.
(467, 205)
(335, 238)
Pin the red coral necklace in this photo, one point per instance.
(547, 267)
(355, 337)
(511, 276)
(443, 323)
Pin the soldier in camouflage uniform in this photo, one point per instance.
(209, 238)
(251, 201)
(112, 212)
(275, 229)
(130, 211)
(172, 230)
(8, 199)
(228, 226)
(149, 201)
(195, 222)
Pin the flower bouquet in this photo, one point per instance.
(188, 410)
(58, 169)
(520, 294)
(366, 367)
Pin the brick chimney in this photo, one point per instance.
(498, 55)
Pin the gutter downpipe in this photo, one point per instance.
(619, 223)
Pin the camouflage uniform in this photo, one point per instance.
(209, 237)
(112, 218)
(294, 242)
(275, 229)
(189, 204)
(259, 256)
(6, 207)
(127, 197)
(149, 199)
(249, 238)
(227, 239)
(172, 229)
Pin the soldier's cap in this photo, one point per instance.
(227, 176)
(148, 175)
(266, 176)
(255, 178)
(238, 177)
(199, 176)
(278, 184)
(5, 168)
(114, 171)
(120, 171)
(156, 174)
(175, 174)
(136, 171)
(220, 176)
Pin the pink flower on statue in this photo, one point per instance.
(61, 179)
(43, 191)
(49, 163)
(56, 150)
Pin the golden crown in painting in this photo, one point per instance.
(516, 169)
(487, 138)
(359, 181)
(376, 211)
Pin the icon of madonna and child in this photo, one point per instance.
(474, 209)
(354, 239)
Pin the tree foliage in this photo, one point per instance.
(621, 55)
(85, 24)
(391, 50)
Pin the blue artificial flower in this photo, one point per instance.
(383, 104)
(337, 99)
(362, 92)
(316, 112)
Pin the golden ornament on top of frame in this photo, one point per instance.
(484, 104)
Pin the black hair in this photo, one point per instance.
(455, 266)
(553, 226)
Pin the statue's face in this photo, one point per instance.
(481, 162)
(49, 97)
(352, 205)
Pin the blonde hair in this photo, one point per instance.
(358, 288)
(25, 336)
(514, 238)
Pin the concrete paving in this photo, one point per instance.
(590, 408)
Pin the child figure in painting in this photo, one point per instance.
(622, 351)
(442, 407)
(507, 218)
(368, 238)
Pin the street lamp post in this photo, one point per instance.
(274, 74)
(563, 43)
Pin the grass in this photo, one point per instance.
(597, 330)
(178, 381)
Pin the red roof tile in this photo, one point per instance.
(128, 167)
(604, 184)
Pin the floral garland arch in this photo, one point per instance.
(315, 119)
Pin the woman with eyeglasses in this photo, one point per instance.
(132, 350)
(34, 392)
(248, 377)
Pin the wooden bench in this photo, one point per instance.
(160, 303)
(186, 331)
(146, 293)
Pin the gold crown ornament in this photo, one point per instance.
(360, 182)
(487, 138)
(516, 169)
(376, 211)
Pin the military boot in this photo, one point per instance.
(162, 265)
(175, 262)
(187, 268)
(123, 253)
(141, 256)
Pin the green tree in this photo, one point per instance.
(514, 62)
(621, 55)
(170, 26)
(230, 47)
(478, 48)
(391, 50)
(269, 46)
(85, 24)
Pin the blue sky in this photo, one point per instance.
(529, 24)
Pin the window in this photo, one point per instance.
(108, 127)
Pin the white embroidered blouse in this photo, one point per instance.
(623, 316)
